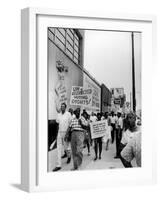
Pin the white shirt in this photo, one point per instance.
(102, 118)
(119, 122)
(73, 116)
(63, 120)
(93, 118)
(113, 120)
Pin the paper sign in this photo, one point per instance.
(98, 129)
(61, 92)
(80, 96)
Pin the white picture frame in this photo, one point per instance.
(33, 76)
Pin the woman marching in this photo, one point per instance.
(98, 142)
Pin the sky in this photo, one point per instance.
(107, 56)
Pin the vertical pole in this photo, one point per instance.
(130, 101)
(133, 74)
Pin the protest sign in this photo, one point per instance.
(98, 129)
(61, 92)
(80, 96)
(96, 92)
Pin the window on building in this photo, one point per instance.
(67, 40)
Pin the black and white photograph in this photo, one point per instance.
(80, 82)
(94, 99)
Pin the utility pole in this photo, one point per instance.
(133, 74)
(130, 101)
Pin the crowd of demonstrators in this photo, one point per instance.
(74, 134)
(126, 128)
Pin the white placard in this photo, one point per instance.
(80, 96)
(98, 129)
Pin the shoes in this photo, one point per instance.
(117, 157)
(89, 154)
(56, 169)
(73, 169)
(64, 156)
(68, 160)
(95, 158)
(99, 157)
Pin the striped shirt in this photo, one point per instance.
(75, 125)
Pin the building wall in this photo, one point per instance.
(105, 99)
(74, 77)
(81, 34)
(118, 96)
(89, 82)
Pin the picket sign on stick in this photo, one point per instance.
(98, 129)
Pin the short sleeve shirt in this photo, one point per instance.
(119, 122)
(75, 124)
(64, 121)
(113, 119)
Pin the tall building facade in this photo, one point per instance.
(105, 99)
(65, 64)
(92, 83)
(65, 69)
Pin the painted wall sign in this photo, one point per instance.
(96, 92)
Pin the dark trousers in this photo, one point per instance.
(77, 148)
(113, 133)
(98, 145)
(118, 140)
(87, 140)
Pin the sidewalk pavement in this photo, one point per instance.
(107, 161)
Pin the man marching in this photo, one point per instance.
(63, 119)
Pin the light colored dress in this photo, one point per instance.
(108, 132)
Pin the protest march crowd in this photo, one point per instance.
(75, 133)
